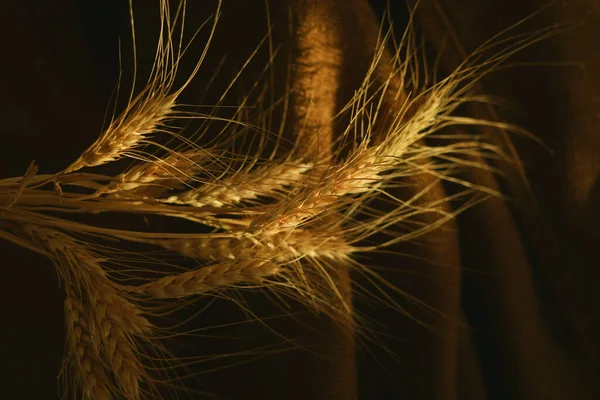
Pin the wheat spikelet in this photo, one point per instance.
(119, 322)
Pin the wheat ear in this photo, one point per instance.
(88, 370)
(209, 278)
(282, 247)
(152, 178)
(112, 323)
(244, 186)
(143, 117)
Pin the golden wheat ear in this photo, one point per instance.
(146, 115)
(148, 112)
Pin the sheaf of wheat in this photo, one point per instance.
(285, 219)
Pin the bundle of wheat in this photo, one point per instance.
(286, 220)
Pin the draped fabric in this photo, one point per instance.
(508, 306)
